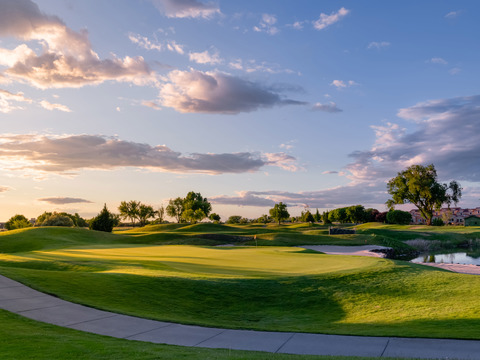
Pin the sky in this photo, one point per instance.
(313, 103)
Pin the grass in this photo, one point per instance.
(24, 339)
(264, 288)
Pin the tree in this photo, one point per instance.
(418, 185)
(279, 212)
(145, 212)
(214, 217)
(381, 217)
(17, 222)
(399, 217)
(175, 208)
(160, 214)
(57, 219)
(355, 214)
(193, 216)
(195, 201)
(308, 217)
(317, 216)
(129, 210)
(234, 219)
(104, 221)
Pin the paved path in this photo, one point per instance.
(32, 304)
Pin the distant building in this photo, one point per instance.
(451, 216)
(472, 220)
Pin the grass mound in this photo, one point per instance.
(31, 239)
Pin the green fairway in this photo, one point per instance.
(263, 288)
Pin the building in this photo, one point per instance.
(451, 216)
(472, 220)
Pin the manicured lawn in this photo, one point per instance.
(264, 288)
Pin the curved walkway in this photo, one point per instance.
(32, 304)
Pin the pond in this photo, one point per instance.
(459, 257)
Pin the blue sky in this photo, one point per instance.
(313, 103)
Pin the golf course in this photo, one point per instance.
(177, 273)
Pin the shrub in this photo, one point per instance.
(399, 217)
(57, 219)
(437, 222)
(105, 221)
(17, 222)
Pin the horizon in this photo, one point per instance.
(314, 104)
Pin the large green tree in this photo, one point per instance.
(104, 221)
(145, 212)
(17, 222)
(418, 185)
(194, 201)
(279, 212)
(129, 210)
(175, 208)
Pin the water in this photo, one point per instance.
(460, 257)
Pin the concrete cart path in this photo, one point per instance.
(32, 304)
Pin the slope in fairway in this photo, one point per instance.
(192, 261)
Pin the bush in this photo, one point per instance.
(234, 219)
(57, 219)
(17, 222)
(399, 217)
(105, 221)
(437, 222)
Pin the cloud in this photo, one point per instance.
(328, 198)
(329, 172)
(340, 84)
(151, 104)
(378, 45)
(186, 8)
(49, 106)
(331, 107)
(252, 66)
(326, 20)
(445, 136)
(6, 98)
(63, 200)
(66, 59)
(215, 92)
(267, 24)
(4, 188)
(454, 71)
(64, 154)
(437, 60)
(297, 25)
(453, 14)
(206, 58)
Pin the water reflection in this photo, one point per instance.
(451, 258)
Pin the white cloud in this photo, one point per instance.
(187, 8)
(145, 42)
(214, 92)
(340, 84)
(267, 24)
(453, 14)
(378, 45)
(49, 106)
(206, 58)
(445, 136)
(35, 155)
(454, 71)
(151, 104)
(6, 99)
(331, 107)
(438, 60)
(67, 58)
(326, 20)
(251, 66)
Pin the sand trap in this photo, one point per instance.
(364, 250)
(459, 268)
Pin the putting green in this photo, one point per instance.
(193, 261)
